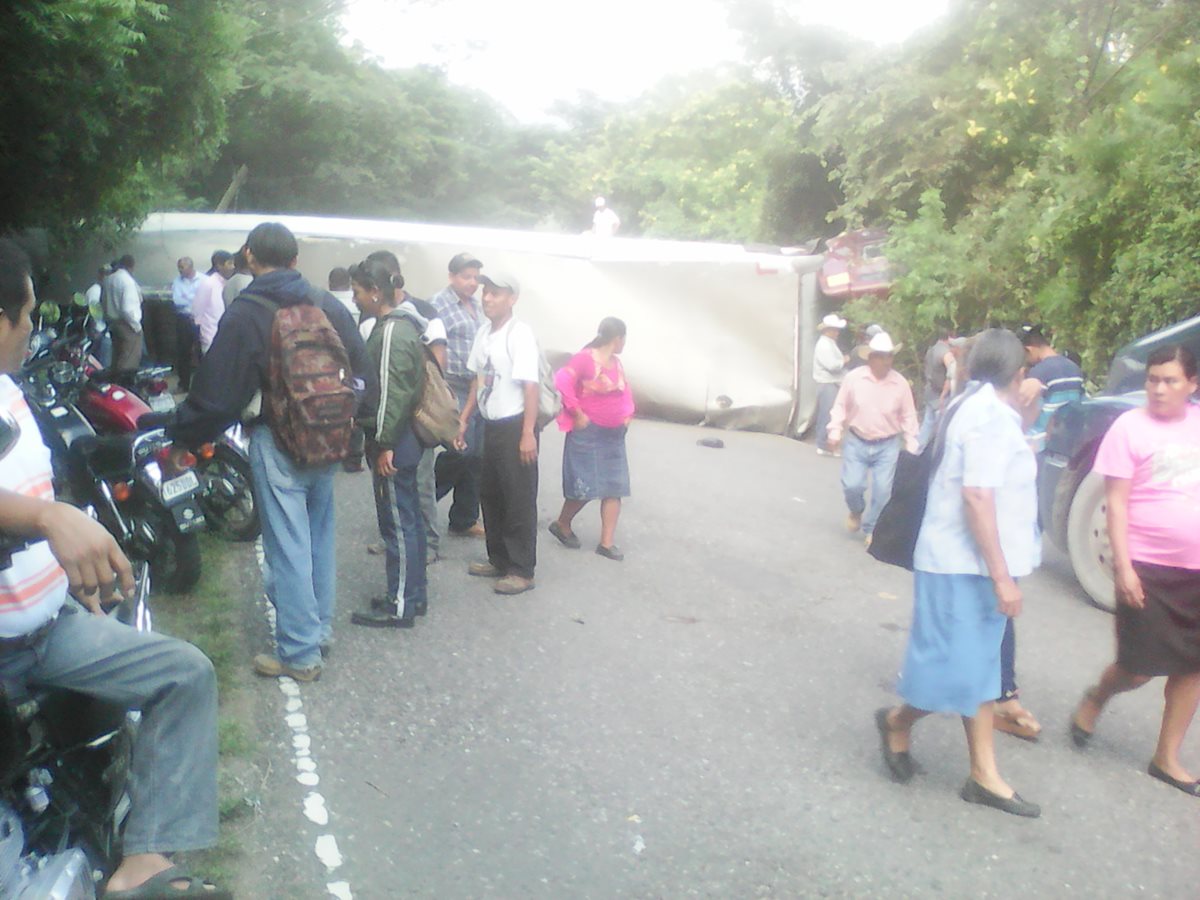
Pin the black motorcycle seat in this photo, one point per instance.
(106, 451)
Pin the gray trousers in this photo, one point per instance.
(427, 487)
(173, 769)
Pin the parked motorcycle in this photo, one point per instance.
(143, 489)
(114, 402)
(64, 765)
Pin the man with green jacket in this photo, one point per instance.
(393, 451)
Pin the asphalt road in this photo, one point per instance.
(697, 720)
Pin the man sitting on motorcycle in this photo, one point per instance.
(48, 640)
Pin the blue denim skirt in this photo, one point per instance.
(953, 658)
(594, 464)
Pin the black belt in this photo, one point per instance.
(890, 437)
(25, 641)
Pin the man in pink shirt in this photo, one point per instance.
(873, 410)
(209, 304)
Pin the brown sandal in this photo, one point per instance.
(1019, 723)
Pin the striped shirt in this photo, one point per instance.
(462, 322)
(1062, 382)
(34, 587)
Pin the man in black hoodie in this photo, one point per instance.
(294, 503)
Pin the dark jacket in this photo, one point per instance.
(398, 362)
(235, 367)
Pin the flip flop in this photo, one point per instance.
(1021, 724)
(159, 887)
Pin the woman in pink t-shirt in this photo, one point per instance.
(1151, 462)
(597, 407)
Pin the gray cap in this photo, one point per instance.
(462, 261)
(503, 281)
(873, 330)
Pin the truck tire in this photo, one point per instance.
(1087, 542)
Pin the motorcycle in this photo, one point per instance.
(64, 764)
(143, 489)
(114, 402)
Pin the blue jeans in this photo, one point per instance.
(296, 508)
(929, 424)
(173, 761)
(826, 395)
(1008, 664)
(860, 459)
(398, 511)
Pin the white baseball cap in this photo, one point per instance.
(832, 321)
(882, 343)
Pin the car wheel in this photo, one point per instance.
(1087, 542)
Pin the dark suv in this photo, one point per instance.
(1070, 494)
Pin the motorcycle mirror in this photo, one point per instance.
(79, 300)
(96, 313)
(50, 311)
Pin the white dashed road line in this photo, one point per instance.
(314, 808)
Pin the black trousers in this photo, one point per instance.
(508, 498)
(158, 323)
(187, 348)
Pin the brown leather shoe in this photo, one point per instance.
(484, 570)
(513, 584)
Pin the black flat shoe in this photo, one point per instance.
(900, 765)
(419, 609)
(1191, 788)
(973, 792)
(1079, 734)
(375, 618)
(566, 538)
(613, 552)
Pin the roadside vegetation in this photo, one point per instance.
(1033, 159)
(213, 617)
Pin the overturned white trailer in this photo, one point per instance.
(718, 334)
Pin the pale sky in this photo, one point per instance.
(529, 53)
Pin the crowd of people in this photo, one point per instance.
(988, 399)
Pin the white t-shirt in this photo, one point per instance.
(346, 298)
(829, 364)
(92, 294)
(605, 222)
(123, 299)
(505, 362)
(34, 587)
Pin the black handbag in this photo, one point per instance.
(894, 539)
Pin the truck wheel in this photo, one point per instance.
(1087, 542)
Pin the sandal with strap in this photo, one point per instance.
(1080, 735)
(163, 887)
(1019, 723)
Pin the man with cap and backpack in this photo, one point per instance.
(288, 361)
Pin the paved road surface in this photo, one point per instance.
(697, 721)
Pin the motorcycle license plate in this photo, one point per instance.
(182, 486)
(163, 402)
(188, 516)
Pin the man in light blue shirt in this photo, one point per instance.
(187, 335)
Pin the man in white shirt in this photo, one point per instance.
(504, 365)
(187, 335)
(93, 294)
(123, 312)
(829, 365)
(605, 222)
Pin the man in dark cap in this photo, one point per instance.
(459, 471)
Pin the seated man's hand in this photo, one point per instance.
(95, 566)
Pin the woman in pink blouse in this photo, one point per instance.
(597, 407)
(1150, 460)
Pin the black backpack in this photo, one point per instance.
(894, 540)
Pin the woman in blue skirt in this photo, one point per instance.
(597, 407)
(979, 535)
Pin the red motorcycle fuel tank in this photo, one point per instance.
(111, 408)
